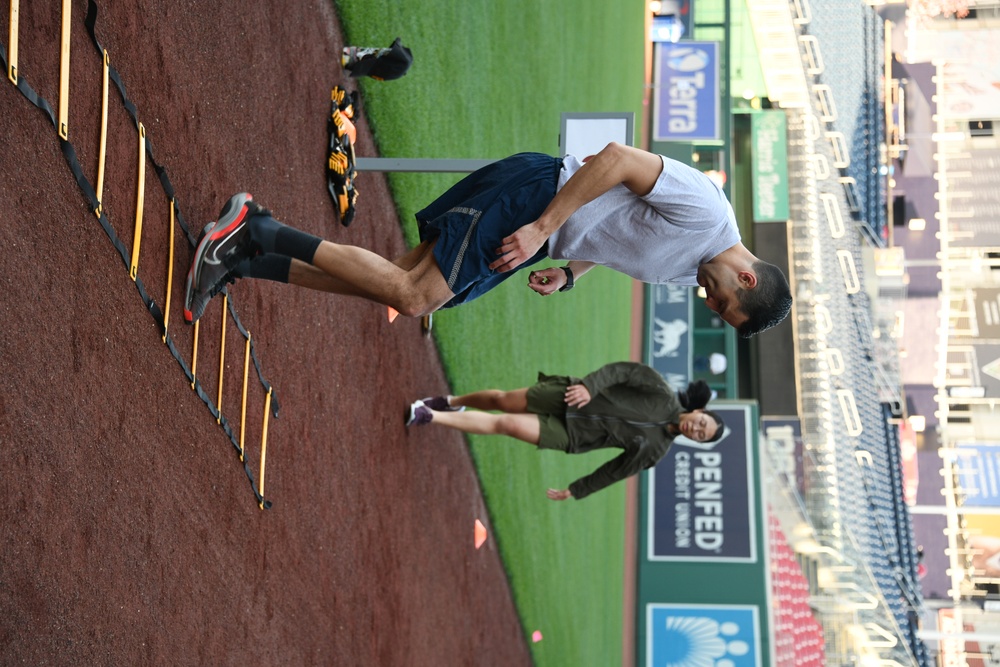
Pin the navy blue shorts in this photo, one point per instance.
(473, 217)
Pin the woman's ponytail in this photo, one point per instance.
(696, 397)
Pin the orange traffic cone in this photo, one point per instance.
(480, 533)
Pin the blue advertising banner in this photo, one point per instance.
(693, 635)
(669, 333)
(702, 496)
(979, 473)
(688, 101)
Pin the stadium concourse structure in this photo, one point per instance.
(838, 500)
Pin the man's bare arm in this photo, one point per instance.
(636, 169)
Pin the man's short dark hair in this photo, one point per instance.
(766, 304)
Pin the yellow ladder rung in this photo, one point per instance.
(140, 191)
(263, 444)
(243, 408)
(102, 151)
(194, 356)
(222, 356)
(170, 273)
(12, 61)
(67, 7)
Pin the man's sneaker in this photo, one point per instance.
(196, 301)
(199, 300)
(440, 404)
(223, 245)
(418, 414)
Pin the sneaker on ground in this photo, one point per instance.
(441, 404)
(418, 414)
(222, 247)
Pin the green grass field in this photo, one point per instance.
(490, 79)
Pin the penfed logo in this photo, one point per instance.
(702, 635)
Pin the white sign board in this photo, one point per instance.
(583, 134)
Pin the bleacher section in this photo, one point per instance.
(850, 530)
(798, 636)
(854, 494)
(849, 41)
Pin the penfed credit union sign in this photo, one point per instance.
(702, 496)
(687, 105)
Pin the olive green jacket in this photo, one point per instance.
(630, 408)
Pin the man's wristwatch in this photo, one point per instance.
(569, 279)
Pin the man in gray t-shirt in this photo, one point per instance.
(640, 235)
(633, 211)
(658, 221)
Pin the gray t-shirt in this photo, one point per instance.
(685, 220)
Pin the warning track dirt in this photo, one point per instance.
(130, 535)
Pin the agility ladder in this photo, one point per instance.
(131, 259)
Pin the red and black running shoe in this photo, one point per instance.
(223, 245)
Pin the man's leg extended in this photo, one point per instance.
(413, 284)
(284, 269)
(355, 271)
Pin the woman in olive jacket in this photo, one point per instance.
(623, 405)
